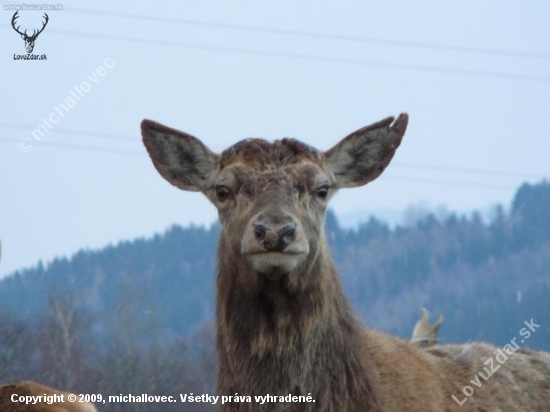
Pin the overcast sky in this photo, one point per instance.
(473, 76)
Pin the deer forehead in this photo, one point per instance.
(260, 153)
(301, 175)
(257, 162)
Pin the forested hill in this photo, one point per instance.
(486, 278)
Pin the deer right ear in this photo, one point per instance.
(180, 158)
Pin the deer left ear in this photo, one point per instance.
(363, 155)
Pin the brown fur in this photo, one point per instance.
(284, 325)
(424, 334)
(28, 388)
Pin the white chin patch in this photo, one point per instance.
(273, 264)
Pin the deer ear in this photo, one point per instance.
(425, 315)
(437, 324)
(180, 158)
(23, 36)
(363, 155)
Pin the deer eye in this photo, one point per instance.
(223, 193)
(322, 192)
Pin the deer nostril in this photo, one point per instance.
(286, 233)
(259, 230)
(287, 230)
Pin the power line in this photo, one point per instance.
(447, 182)
(307, 57)
(394, 164)
(73, 132)
(80, 147)
(389, 177)
(96, 149)
(466, 170)
(315, 35)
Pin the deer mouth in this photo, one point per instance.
(274, 265)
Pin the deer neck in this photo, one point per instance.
(272, 340)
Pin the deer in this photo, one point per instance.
(12, 399)
(424, 334)
(29, 40)
(284, 326)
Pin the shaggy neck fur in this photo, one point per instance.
(274, 341)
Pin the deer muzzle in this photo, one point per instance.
(274, 243)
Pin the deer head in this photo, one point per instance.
(29, 40)
(271, 197)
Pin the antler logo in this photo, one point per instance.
(29, 40)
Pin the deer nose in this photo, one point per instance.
(274, 238)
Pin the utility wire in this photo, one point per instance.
(466, 170)
(397, 178)
(388, 177)
(73, 132)
(396, 164)
(80, 147)
(305, 57)
(446, 182)
(313, 35)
